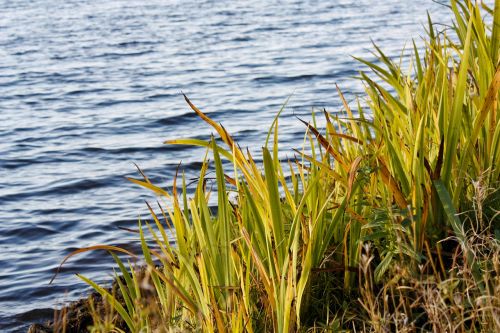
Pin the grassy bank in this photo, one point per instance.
(384, 221)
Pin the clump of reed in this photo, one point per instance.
(361, 230)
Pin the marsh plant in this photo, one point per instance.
(361, 231)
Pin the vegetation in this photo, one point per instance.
(360, 231)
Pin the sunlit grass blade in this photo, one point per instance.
(112, 300)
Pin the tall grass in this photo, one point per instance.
(391, 176)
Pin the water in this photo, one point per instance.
(87, 88)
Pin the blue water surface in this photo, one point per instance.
(87, 88)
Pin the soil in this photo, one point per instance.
(78, 316)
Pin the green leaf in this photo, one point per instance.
(274, 203)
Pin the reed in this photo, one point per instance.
(359, 211)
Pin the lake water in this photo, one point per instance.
(87, 88)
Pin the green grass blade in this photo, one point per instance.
(274, 203)
(112, 301)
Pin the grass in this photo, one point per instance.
(361, 231)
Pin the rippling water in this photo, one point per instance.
(87, 88)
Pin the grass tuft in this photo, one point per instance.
(361, 231)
